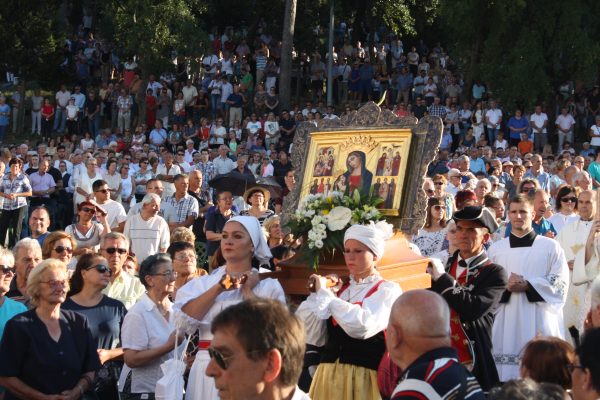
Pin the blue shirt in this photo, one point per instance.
(544, 227)
(9, 309)
(477, 165)
(543, 178)
(4, 109)
(514, 123)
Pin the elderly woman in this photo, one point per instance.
(258, 198)
(201, 299)
(275, 239)
(113, 179)
(86, 231)
(84, 181)
(14, 189)
(183, 255)
(48, 352)
(566, 207)
(430, 238)
(104, 314)
(147, 336)
(59, 245)
(349, 319)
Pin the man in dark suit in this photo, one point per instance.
(472, 285)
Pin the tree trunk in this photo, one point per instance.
(285, 79)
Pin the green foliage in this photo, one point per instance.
(152, 30)
(31, 38)
(524, 49)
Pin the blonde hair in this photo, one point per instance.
(268, 223)
(183, 234)
(35, 277)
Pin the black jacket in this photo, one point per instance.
(476, 303)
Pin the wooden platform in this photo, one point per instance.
(399, 264)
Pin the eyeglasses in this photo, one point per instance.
(568, 199)
(221, 360)
(5, 269)
(169, 273)
(89, 210)
(102, 191)
(112, 250)
(57, 284)
(101, 268)
(62, 249)
(570, 367)
(185, 257)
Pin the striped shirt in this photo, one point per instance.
(437, 375)
(18, 185)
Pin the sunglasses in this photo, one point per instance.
(438, 183)
(101, 268)
(89, 210)
(220, 359)
(568, 199)
(103, 191)
(62, 249)
(112, 250)
(5, 269)
(438, 207)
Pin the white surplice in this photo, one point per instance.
(572, 239)
(518, 321)
(199, 385)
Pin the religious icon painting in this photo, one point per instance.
(370, 161)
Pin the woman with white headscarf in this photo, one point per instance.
(201, 299)
(348, 320)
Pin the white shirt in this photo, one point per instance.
(223, 165)
(145, 328)
(494, 116)
(565, 122)
(538, 121)
(189, 92)
(116, 213)
(68, 163)
(169, 188)
(147, 237)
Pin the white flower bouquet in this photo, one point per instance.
(322, 221)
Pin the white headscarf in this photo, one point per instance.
(252, 226)
(373, 235)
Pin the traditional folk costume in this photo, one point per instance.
(199, 385)
(537, 311)
(572, 239)
(350, 325)
(473, 288)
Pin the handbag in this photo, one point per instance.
(171, 386)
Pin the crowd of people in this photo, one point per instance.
(116, 246)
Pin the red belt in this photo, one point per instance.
(203, 344)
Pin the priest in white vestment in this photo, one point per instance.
(536, 293)
(572, 238)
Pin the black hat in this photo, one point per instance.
(482, 215)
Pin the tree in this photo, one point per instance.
(155, 30)
(286, 53)
(524, 49)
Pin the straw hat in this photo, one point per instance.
(254, 189)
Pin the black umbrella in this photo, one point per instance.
(270, 183)
(234, 182)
